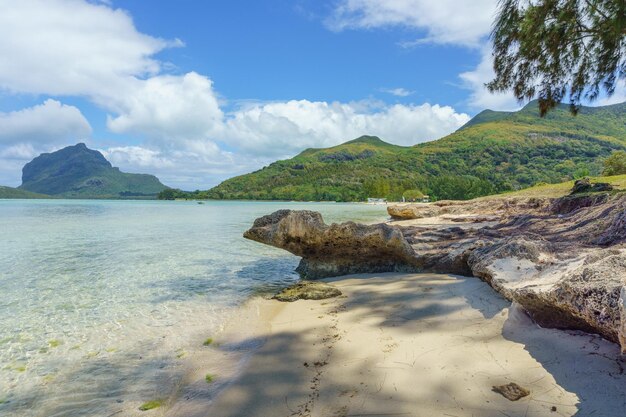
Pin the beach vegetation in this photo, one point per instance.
(208, 378)
(208, 342)
(150, 405)
(54, 343)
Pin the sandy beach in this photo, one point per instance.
(413, 345)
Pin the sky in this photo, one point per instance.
(198, 91)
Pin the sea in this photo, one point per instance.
(100, 299)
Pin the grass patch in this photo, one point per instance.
(560, 189)
(181, 354)
(54, 343)
(150, 405)
(208, 342)
(209, 378)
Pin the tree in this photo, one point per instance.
(413, 195)
(559, 48)
(615, 164)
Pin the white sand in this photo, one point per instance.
(416, 345)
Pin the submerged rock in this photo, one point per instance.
(308, 290)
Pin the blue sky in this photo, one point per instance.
(196, 91)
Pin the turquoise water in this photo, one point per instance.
(94, 291)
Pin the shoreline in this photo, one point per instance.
(409, 344)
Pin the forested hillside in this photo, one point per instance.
(494, 152)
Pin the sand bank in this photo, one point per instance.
(416, 345)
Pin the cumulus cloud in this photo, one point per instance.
(286, 127)
(443, 21)
(480, 98)
(50, 122)
(169, 107)
(72, 47)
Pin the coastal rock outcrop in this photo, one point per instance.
(563, 260)
(336, 249)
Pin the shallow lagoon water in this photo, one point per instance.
(98, 296)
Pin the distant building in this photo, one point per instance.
(425, 199)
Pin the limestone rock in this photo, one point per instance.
(336, 249)
(413, 211)
(308, 290)
(512, 391)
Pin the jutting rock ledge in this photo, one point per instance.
(563, 260)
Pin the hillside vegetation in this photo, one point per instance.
(9, 192)
(494, 152)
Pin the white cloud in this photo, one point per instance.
(398, 92)
(480, 98)
(72, 47)
(444, 21)
(286, 127)
(50, 122)
(168, 107)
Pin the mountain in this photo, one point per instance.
(9, 192)
(493, 152)
(79, 172)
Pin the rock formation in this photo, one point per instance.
(307, 290)
(563, 260)
(336, 249)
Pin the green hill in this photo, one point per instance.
(79, 172)
(494, 152)
(9, 192)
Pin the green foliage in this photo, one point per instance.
(8, 192)
(615, 164)
(207, 342)
(150, 405)
(79, 172)
(558, 48)
(451, 187)
(493, 153)
(412, 195)
(208, 378)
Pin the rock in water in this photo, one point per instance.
(308, 290)
(512, 391)
(336, 249)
